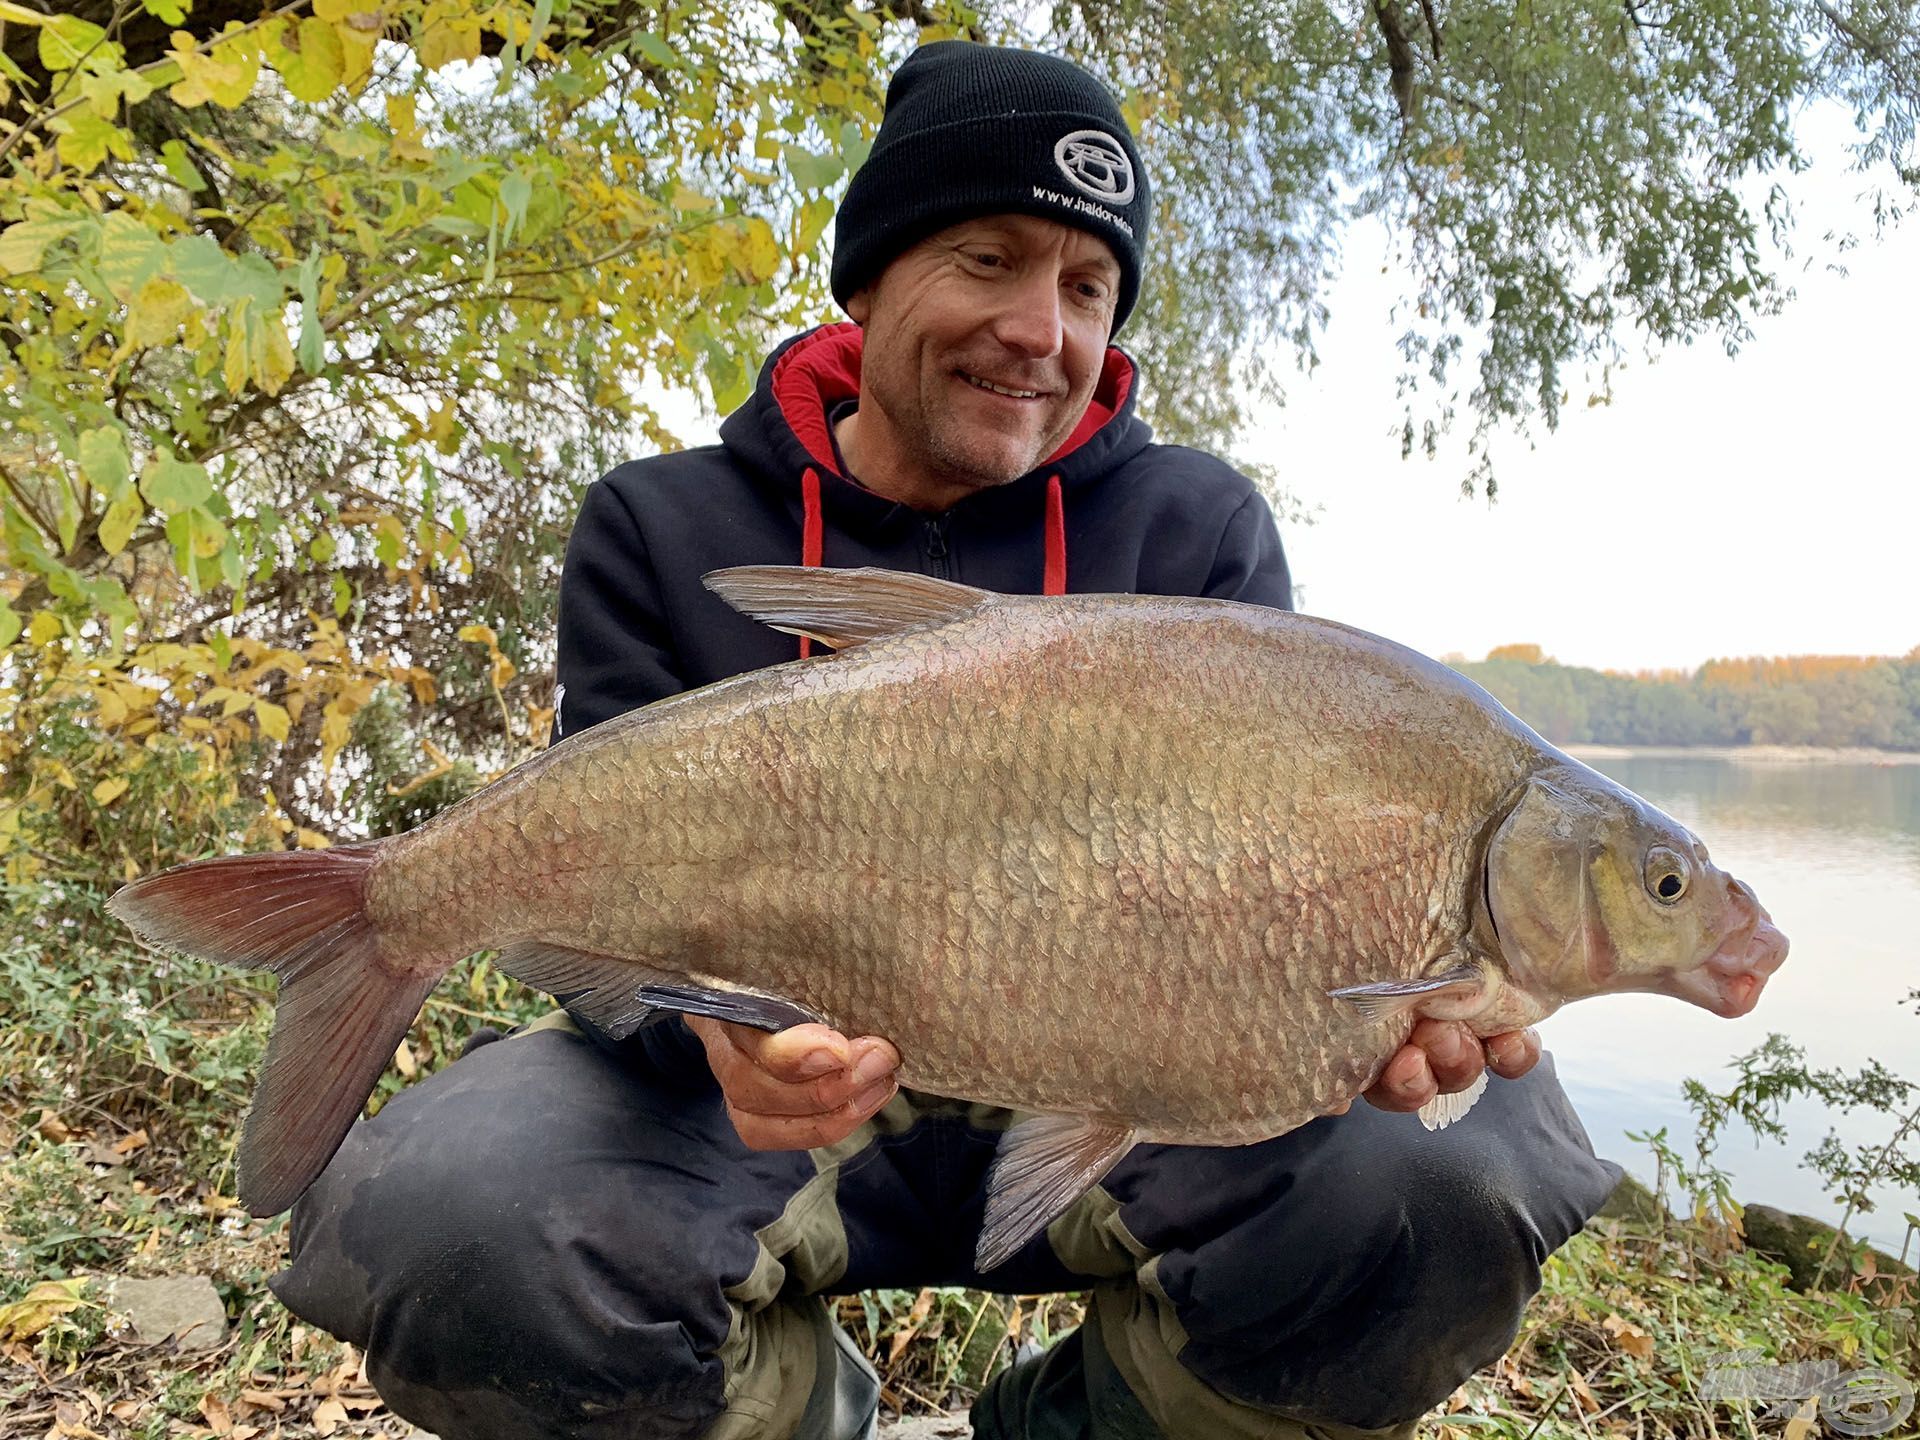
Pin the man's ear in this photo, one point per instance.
(860, 305)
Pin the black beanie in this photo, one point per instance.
(981, 130)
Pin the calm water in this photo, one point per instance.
(1834, 853)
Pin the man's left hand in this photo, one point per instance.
(1444, 1056)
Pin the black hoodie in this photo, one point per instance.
(1110, 512)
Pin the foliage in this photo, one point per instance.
(315, 324)
(1831, 700)
(1562, 184)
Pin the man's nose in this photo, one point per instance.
(1028, 319)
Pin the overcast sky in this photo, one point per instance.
(1767, 503)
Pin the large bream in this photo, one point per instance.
(1154, 869)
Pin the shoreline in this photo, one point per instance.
(1749, 754)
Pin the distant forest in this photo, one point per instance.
(1795, 700)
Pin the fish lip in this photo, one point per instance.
(1729, 981)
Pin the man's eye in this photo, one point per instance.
(992, 262)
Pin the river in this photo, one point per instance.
(1833, 850)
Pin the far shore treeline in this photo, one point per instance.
(1831, 700)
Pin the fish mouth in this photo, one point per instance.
(1729, 981)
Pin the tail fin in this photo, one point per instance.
(345, 1001)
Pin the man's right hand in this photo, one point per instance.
(798, 1089)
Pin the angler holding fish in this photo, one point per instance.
(1146, 876)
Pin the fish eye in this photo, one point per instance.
(1668, 874)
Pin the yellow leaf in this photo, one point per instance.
(403, 1060)
(40, 1307)
(116, 526)
(110, 789)
(309, 56)
(503, 670)
(311, 839)
(222, 73)
(154, 316)
(45, 628)
(111, 709)
(447, 32)
(272, 718)
(329, 1416)
(480, 634)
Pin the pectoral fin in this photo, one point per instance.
(1045, 1164)
(1394, 997)
(742, 1007)
(619, 995)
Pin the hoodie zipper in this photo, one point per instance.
(937, 551)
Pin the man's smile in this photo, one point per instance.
(1010, 391)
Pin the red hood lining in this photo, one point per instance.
(821, 370)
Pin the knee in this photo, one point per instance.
(482, 1237)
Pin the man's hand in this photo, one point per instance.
(1444, 1056)
(801, 1088)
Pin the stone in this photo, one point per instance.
(185, 1308)
(1632, 1201)
(1800, 1243)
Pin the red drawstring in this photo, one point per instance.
(812, 537)
(1056, 572)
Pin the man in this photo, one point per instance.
(563, 1237)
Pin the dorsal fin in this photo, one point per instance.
(842, 607)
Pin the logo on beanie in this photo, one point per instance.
(1096, 162)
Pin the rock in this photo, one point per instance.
(182, 1307)
(926, 1427)
(1632, 1201)
(1800, 1243)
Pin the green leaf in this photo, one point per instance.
(655, 49)
(23, 247)
(855, 144)
(103, 460)
(173, 155)
(86, 140)
(130, 255)
(9, 626)
(170, 12)
(197, 538)
(175, 485)
(65, 38)
(811, 171)
(312, 349)
(515, 191)
(342, 596)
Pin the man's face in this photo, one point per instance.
(983, 344)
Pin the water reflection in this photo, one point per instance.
(1834, 853)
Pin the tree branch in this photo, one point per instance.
(1399, 54)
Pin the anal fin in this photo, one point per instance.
(1443, 1110)
(1045, 1163)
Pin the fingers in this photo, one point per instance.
(1513, 1054)
(1440, 1056)
(801, 1088)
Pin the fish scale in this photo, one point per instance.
(1153, 868)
